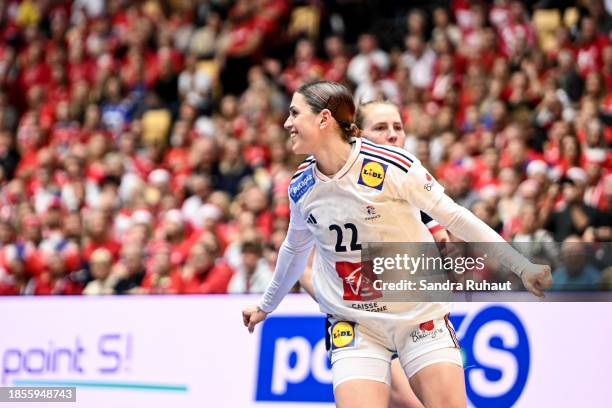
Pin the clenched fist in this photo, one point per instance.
(536, 278)
(251, 316)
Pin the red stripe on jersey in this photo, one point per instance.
(435, 228)
(304, 165)
(385, 153)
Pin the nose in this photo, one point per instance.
(287, 125)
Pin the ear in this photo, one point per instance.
(324, 118)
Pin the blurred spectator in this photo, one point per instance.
(9, 157)
(444, 26)
(575, 216)
(130, 270)
(533, 242)
(160, 276)
(101, 262)
(486, 211)
(194, 85)
(576, 273)
(419, 59)
(202, 274)
(116, 110)
(55, 279)
(376, 87)
(239, 44)
(254, 273)
(203, 42)
(199, 186)
(232, 168)
(370, 58)
(306, 67)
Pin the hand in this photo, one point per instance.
(441, 236)
(450, 249)
(253, 315)
(536, 278)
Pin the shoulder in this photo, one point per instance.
(388, 156)
(302, 180)
(303, 166)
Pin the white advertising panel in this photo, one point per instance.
(193, 351)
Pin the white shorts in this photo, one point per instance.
(359, 352)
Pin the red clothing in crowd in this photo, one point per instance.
(588, 55)
(9, 288)
(264, 223)
(213, 281)
(45, 284)
(110, 244)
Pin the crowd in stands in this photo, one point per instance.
(142, 147)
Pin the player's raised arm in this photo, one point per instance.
(423, 191)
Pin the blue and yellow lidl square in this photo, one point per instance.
(372, 174)
(342, 335)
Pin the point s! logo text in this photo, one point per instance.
(293, 362)
(75, 359)
(372, 174)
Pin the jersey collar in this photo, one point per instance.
(355, 149)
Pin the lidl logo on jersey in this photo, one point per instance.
(372, 174)
(293, 362)
(301, 185)
(342, 335)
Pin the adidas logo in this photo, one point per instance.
(311, 219)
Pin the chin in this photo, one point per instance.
(297, 148)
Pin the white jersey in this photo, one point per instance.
(376, 197)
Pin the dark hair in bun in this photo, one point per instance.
(335, 97)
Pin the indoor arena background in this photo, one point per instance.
(142, 157)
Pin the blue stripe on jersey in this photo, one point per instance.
(309, 160)
(395, 151)
(386, 160)
(296, 175)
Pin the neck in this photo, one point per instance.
(332, 156)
